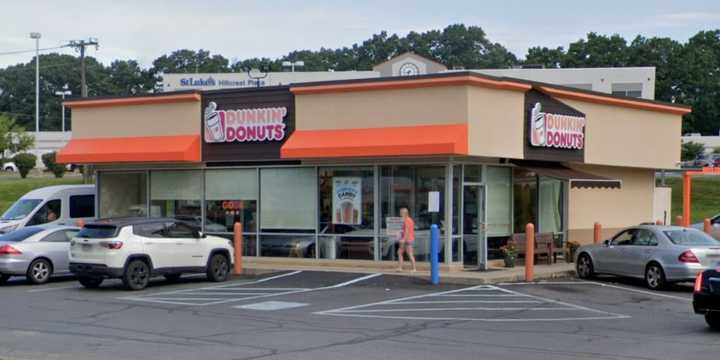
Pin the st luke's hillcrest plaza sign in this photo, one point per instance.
(244, 125)
(556, 130)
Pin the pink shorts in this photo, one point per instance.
(407, 243)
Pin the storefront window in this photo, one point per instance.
(288, 212)
(176, 194)
(499, 202)
(551, 207)
(122, 194)
(409, 187)
(346, 209)
(525, 195)
(231, 196)
(288, 198)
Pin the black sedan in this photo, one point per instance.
(706, 297)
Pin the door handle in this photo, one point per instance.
(179, 243)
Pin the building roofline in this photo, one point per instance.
(470, 77)
(144, 99)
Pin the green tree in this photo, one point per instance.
(190, 61)
(691, 150)
(24, 162)
(13, 138)
(698, 82)
(548, 58)
(597, 51)
(50, 162)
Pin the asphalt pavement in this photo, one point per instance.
(329, 315)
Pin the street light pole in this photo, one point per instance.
(63, 93)
(36, 36)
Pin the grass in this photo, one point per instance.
(705, 197)
(12, 187)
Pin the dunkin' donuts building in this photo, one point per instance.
(320, 170)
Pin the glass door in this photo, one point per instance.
(474, 237)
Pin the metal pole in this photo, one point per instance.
(63, 113)
(434, 253)
(37, 84)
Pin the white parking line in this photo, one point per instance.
(534, 304)
(53, 288)
(216, 295)
(596, 283)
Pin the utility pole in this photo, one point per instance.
(80, 45)
(36, 36)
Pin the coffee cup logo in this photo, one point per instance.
(214, 124)
(537, 126)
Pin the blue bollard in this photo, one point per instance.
(434, 253)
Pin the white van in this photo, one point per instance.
(61, 204)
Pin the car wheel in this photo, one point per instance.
(137, 275)
(219, 268)
(90, 282)
(39, 271)
(4, 278)
(172, 277)
(713, 320)
(584, 267)
(654, 277)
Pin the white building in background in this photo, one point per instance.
(626, 81)
(630, 81)
(45, 142)
(710, 142)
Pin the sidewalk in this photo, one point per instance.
(460, 277)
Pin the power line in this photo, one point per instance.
(30, 51)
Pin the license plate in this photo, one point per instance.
(86, 247)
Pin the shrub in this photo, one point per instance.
(51, 164)
(24, 162)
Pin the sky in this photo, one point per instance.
(145, 30)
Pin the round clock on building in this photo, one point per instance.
(409, 69)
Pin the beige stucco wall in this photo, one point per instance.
(136, 120)
(623, 136)
(632, 204)
(496, 122)
(382, 108)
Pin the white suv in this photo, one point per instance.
(136, 249)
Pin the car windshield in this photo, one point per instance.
(20, 209)
(690, 237)
(20, 235)
(97, 231)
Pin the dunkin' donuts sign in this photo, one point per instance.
(244, 125)
(556, 130)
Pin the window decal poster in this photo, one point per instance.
(347, 200)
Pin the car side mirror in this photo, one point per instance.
(199, 234)
(606, 243)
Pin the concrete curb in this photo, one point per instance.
(455, 278)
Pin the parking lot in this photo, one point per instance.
(324, 315)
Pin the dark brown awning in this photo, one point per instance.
(577, 179)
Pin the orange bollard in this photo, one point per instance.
(679, 220)
(707, 227)
(530, 252)
(238, 245)
(80, 223)
(597, 234)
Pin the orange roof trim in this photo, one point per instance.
(390, 141)
(609, 100)
(182, 148)
(135, 100)
(415, 83)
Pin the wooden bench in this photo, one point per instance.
(544, 246)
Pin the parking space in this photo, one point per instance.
(477, 303)
(324, 315)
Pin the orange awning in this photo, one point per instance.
(182, 148)
(390, 141)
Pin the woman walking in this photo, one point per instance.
(407, 239)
